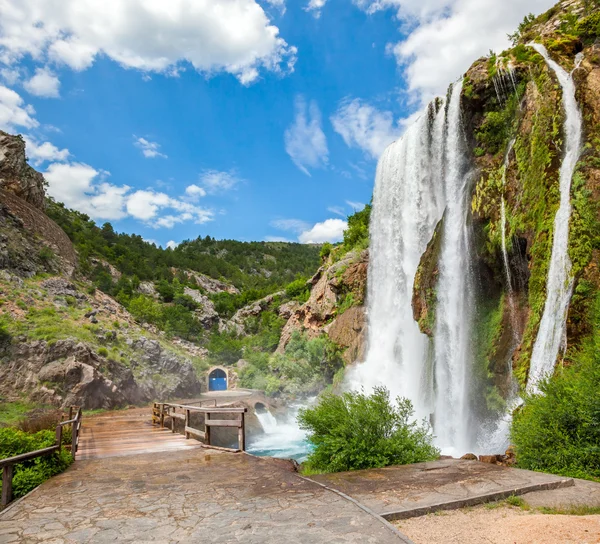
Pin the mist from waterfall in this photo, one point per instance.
(559, 284)
(408, 202)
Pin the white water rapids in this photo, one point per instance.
(559, 284)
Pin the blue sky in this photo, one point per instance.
(245, 119)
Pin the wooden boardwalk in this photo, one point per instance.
(127, 432)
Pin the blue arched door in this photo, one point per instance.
(217, 380)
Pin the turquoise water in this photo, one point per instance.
(282, 438)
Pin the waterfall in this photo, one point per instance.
(559, 282)
(453, 333)
(408, 201)
(509, 284)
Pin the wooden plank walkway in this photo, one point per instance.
(127, 432)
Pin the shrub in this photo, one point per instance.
(296, 289)
(103, 352)
(357, 233)
(355, 431)
(30, 474)
(325, 251)
(558, 430)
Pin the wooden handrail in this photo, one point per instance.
(8, 464)
(160, 410)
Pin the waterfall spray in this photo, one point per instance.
(560, 281)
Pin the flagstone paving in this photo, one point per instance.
(198, 495)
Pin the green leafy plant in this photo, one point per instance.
(357, 431)
(30, 474)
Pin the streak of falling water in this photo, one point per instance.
(452, 340)
(559, 284)
(408, 201)
(509, 284)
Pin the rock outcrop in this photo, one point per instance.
(16, 176)
(332, 286)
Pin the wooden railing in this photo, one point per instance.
(7, 465)
(183, 412)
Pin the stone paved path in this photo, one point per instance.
(413, 490)
(198, 495)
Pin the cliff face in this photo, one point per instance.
(16, 176)
(335, 306)
(513, 118)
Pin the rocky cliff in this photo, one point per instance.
(513, 118)
(335, 305)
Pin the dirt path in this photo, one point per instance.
(501, 525)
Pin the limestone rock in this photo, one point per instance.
(349, 330)
(329, 286)
(16, 176)
(208, 284)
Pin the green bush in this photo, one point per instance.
(558, 431)
(325, 250)
(30, 474)
(356, 431)
(297, 289)
(357, 233)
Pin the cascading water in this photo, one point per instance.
(408, 202)
(281, 438)
(559, 282)
(418, 177)
(452, 339)
(507, 274)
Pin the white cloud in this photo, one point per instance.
(13, 111)
(277, 239)
(305, 140)
(10, 75)
(215, 181)
(171, 244)
(44, 83)
(364, 126)
(194, 192)
(40, 153)
(356, 206)
(149, 149)
(448, 35)
(293, 225)
(315, 6)
(337, 210)
(84, 188)
(232, 36)
(330, 230)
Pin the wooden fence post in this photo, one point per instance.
(187, 424)
(242, 434)
(59, 437)
(206, 429)
(7, 476)
(162, 416)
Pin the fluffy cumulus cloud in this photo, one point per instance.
(150, 150)
(233, 36)
(171, 244)
(39, 153)
(305, 141)
(15, 115)
(446, 36)
(363, 126)
(86, 189)
(330, 230)
(44, 83)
